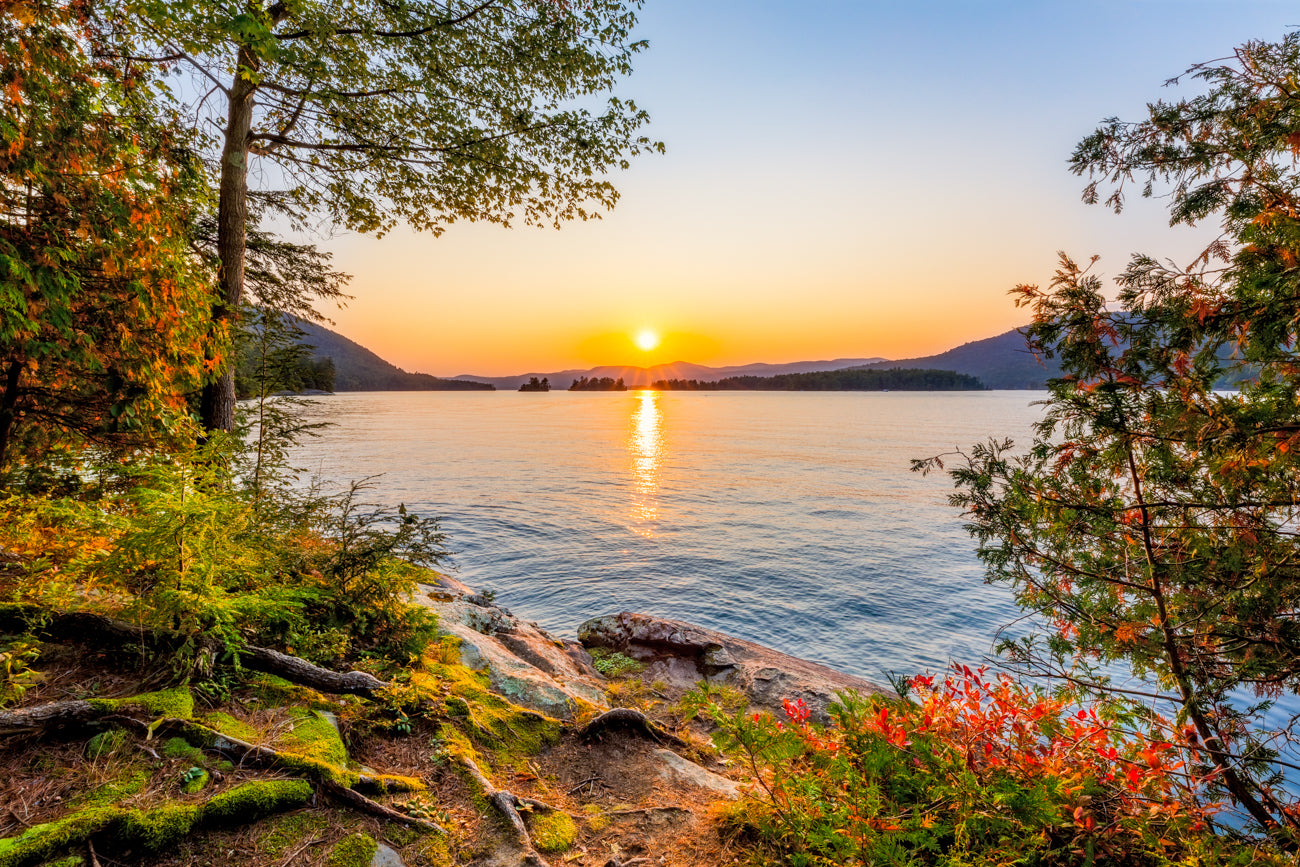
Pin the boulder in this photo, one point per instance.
(524, 662)
(682, 654)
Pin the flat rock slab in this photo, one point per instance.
(525, 663)
(678, 771)
(682, 654)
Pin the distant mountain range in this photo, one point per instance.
(999, 362)
(637, 377)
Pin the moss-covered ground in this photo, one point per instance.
(141, 790)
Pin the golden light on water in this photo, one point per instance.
(645, 446)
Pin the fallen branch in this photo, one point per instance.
(84, 627)
(43, 716)
(627, 718)
(324, 775)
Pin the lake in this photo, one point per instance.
(788, 518)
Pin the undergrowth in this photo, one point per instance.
(974, 771)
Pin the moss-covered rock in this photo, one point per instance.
(552, 832)
(256, 800)
(106, 743)
(355, 850)
(315, 737)
(179, 748)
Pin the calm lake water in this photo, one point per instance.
(787, 518)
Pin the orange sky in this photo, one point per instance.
(849, 181)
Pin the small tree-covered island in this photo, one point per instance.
(204, 661)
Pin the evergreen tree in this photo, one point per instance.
(1153, 520)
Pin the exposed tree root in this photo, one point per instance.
(83, 627)
(508, 804)
(627, 718)
(362, 804)
(250, 754)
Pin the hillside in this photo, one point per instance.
(358, 369)
(999, 362)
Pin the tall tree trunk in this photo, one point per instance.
(9, 408)
(217, 408)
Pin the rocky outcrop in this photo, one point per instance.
(682, 654)
(524, 662)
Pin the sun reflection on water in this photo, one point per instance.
(645, 445)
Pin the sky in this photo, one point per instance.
(843, 179)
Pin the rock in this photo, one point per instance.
(386, 856)
(525, 663)
(681, 654)
(680, 771)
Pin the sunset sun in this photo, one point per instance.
(646, 340)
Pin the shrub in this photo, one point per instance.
(976, 770)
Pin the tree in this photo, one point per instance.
(102, 304)
(1153, 521)
(377, 111)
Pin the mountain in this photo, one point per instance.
(358, 369)
(998, 362)
(636, 377)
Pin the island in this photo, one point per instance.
(848, 379)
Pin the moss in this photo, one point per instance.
(159, 828)
(195, 780)
(179, 748)
(256, 800)
(355, 850)
(432, 850)
(151, 830)
(177, 703)
(132, 781)
(42, 842)
(612, 663)
(552, 832)
(312, 747)
(70, 861)
(228, 725)
(394, 783)
(314, 736)
(274, 691)
(288, 830)
(597, 819)
(106, 743)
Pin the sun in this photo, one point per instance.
(646, 340)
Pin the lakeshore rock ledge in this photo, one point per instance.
(534, 668)
(683, 654)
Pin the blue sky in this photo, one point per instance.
(842, 180)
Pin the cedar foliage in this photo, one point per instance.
(1152, 521)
